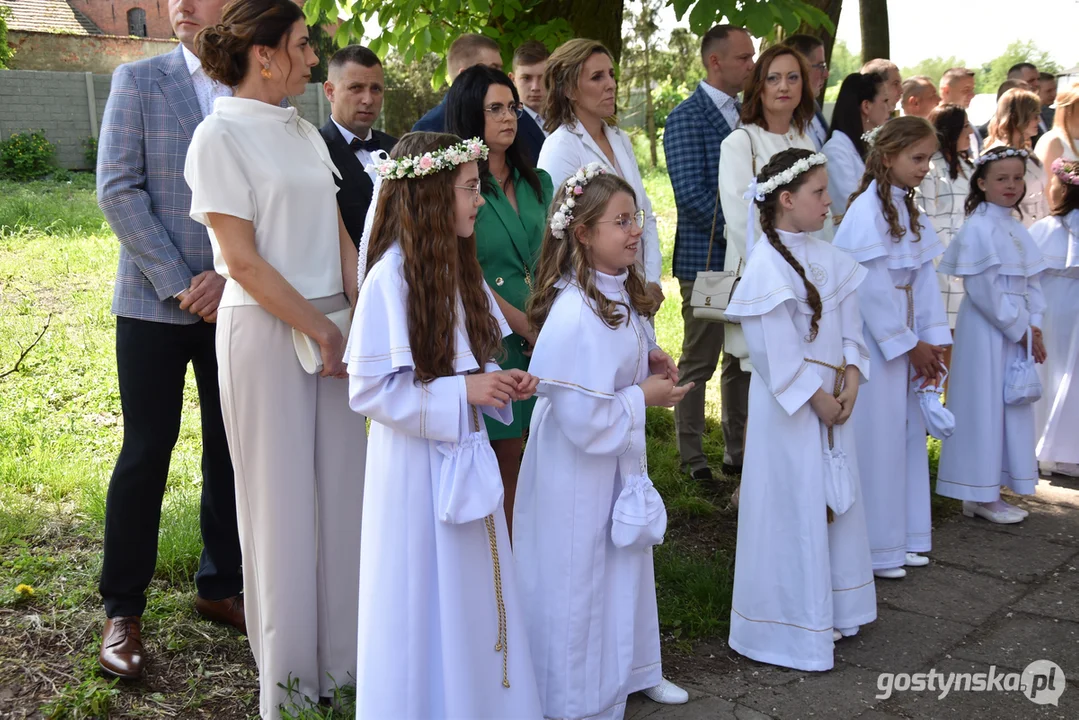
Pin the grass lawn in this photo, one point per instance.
(60, 432)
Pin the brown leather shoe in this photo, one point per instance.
(229, 611)
(121, 647)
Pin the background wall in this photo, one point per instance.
(93, 53)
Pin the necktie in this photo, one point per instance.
(368, 145)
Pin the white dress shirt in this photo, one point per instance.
(538, 118)
(727, 105)
(206, 90)
(364, 156)
(845, 169)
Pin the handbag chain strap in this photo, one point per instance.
(715, 210)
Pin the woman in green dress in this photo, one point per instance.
(483, 103)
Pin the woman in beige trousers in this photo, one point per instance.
(262, 181)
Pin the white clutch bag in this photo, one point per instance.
(1022, 385)
(307, 350)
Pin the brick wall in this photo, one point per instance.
(88, 53)
(111, 15)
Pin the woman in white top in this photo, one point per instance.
(777, 107)
(1062, 140)
(944, 190)
(1014, 125)
(262, 182)
(580, 112)
(862, 106)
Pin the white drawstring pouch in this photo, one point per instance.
(839, 489)
(469, 483)
(939, 420)
(639, 518)
(1021, 383)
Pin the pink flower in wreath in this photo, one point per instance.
(426, 162)
(578, 190)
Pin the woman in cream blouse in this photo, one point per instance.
(580, 108)
(262, 181)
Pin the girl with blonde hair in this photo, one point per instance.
(1014, 125)
(1062, 140)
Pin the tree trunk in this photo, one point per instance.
(873, 15)
(832, 8)
(649, 111)
(596, 20)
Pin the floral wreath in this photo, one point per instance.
(573, 188)
(429, 163)
(991, 156)
(869, 137)
(1067, 171)
(762, 190)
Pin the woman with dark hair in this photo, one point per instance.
(483, 102)
(944, 190)
(263, 183)
(862, 106)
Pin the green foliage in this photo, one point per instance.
(933, 68)
(26, 156)
(996, 72)
(408, 91)
(760, 17)
(842, 64)
(5, 50)
(89, 146)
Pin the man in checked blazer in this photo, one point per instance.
(165, 302)
(695, 130)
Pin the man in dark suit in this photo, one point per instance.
(813, 49)
(464, 52)
(529, 62)
(355, 89)
(165, 302)
(692, 139)
(1047, 93)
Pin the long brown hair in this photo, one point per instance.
(562, 256)
(562, 74)
(223, 48)
(976, 196)
(418, 213)
(1067, 108)
(783, 161)
(950, 120)
(753, 92)
(894, 137)
(1015, 110)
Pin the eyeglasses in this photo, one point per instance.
(498, 110)
(822, 67)
(474, 189)
(626, 222)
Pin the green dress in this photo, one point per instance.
(508, 245)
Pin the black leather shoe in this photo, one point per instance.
(732, 470)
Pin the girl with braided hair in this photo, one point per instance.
(906, 327)
(802, 574)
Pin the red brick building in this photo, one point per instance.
(141, 18)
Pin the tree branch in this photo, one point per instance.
(48, 321)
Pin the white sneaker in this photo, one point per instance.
(667, 693)
(916, 560)
(891, 573)
(1000, 517)
(836, 635)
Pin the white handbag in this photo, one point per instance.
(939, 420)
(639, 517)
(1021, 383)
(307, 350)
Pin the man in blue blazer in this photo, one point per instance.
(464, 52)
(165, 302)
(529, 62)
(692, 138)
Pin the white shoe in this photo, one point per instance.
(667, 693)
(1000, 517)
(848, 632)
(891, 573)
(1069, 469)
(836, 635)
(1016, 509)
(916, 560)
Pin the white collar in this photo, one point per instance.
(192, 61)
(718, 96)
(791, 239)
(534, 115)
(348, 135)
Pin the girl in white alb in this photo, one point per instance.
(1057, 413)
(441, 626)
(905, 327)
(586, 514)
(993, 443)
(802, 574)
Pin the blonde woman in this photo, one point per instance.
(1014, 125)
(1062, 140)
(580, 112)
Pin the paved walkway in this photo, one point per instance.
(1003, 595)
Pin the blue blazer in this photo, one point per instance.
(695, 130)
(532, 137)
(149, 119)
(434, 120)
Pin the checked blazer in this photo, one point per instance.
(149, 119)
(695, 130)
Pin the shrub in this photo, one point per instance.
(26, 156)
(89, 146)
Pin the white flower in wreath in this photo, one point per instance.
(571, 203)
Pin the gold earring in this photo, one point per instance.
(266, 71)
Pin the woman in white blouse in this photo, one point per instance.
(1062, 140)
(862, 105)
(580, 112)
(1015, 124)
(944, 191)
(263, 183)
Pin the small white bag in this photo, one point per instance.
(1021, 383)
(939, 420)
(639, 518)
(307, 350)
(469, 483)
(839, 481)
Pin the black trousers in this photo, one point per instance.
(151, 361)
